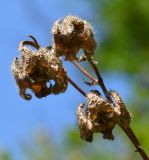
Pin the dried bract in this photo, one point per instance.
(72, 34)
(36, 69)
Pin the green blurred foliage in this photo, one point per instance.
(4, 155)
(41, 147)
(125, 26)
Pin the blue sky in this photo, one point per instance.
(20, 118)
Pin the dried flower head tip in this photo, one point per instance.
(72, 34)
(98, 117)
(36, 69)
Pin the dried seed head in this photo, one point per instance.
(100, 117)
(102, 113)
(36, 69)
(72, 34)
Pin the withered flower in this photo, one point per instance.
(72, 34)
(101, 116)
(35, 70)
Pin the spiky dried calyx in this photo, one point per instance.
(35, 71)
(100, 116)
(72, 34)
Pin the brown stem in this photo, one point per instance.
(100, 80)
(85, 72)
(128, 131)
(76, 86)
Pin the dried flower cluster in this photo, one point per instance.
(101, 116)
(38, 67)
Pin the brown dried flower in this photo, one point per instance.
(36, 69)
(100, 116)
(72, 34)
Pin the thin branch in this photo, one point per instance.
(85, 72)
(76, 86)
(129, 132)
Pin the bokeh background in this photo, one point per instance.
(45, 129)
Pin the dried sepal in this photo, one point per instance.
(85, 125)
(121, 110)
(35, 70)
(72, 34)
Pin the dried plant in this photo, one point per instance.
(37, 68)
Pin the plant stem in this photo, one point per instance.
(128, 131)
(76, 86)
(100, 80)
(85, 72)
